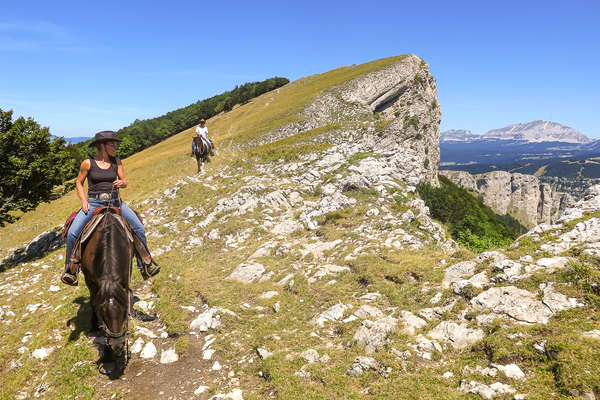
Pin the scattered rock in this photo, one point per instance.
(168, 356)
(333, 313)
(149, 350)
(247, 272)
(485, 391)
(263, 353)
(207, 354)
(594, 334)
(459, 335)
(201, 389)
(367, 311)
(373, 335)
(411, 322)
(512, 302)
(310, 355)
(424, 347)
(268, 295)
(137, 345)
(458, 272)
(364, 364)
(42, 353)
(510, 370)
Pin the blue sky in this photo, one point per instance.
(80, 67)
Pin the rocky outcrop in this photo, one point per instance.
(392, 112)
(524, 197)
(36, 248)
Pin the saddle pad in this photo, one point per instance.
(91, 227)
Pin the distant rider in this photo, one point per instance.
(202, 132)
(105, 176)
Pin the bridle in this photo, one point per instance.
(116, 339)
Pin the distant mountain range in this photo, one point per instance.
(73, 140)
(529, 132)
(547, 149)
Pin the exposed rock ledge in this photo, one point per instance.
(524, 197)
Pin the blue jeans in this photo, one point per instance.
(82, 219)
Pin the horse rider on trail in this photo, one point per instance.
(105, 175)
(202, 132)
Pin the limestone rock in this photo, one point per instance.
(333, 313)
(459, 335)
(411, 322)
(364, 364)
(373, 335)
(522, 196)
(247, 272)
(510, 370)
(168, 356)
(149, 350)
(509, 301)
(137, 345)
(367, 311)
(594, 334)
(263, 353)
(485, 391)
(459, 271)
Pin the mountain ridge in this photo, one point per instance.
(301, 263)
(531, 132)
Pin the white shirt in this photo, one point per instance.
(202, 130)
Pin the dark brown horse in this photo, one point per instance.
(106, 265)
(201, 151)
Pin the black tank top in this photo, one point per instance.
(100, 180)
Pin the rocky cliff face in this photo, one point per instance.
(524, 197)
(392, 112)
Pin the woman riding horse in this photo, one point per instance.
(105, 175)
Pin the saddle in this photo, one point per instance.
(140, 249)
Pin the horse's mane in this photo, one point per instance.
(108, 288)
(113, 281)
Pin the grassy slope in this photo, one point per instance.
(149, 173)
(156, 168)
(190, 278)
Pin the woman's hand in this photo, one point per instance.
(85, 206)
(119, 183)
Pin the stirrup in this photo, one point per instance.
(150, 270)
(69, 279)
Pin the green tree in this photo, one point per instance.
(31, 165)
(470, 222)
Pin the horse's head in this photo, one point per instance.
(112, 313)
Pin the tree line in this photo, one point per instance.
(33, 163)
(142, 134)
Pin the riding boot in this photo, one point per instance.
(146, 264)
(69, 276)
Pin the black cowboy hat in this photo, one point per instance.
(105, 136)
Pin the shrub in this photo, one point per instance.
(470, 222)
(413, 121)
